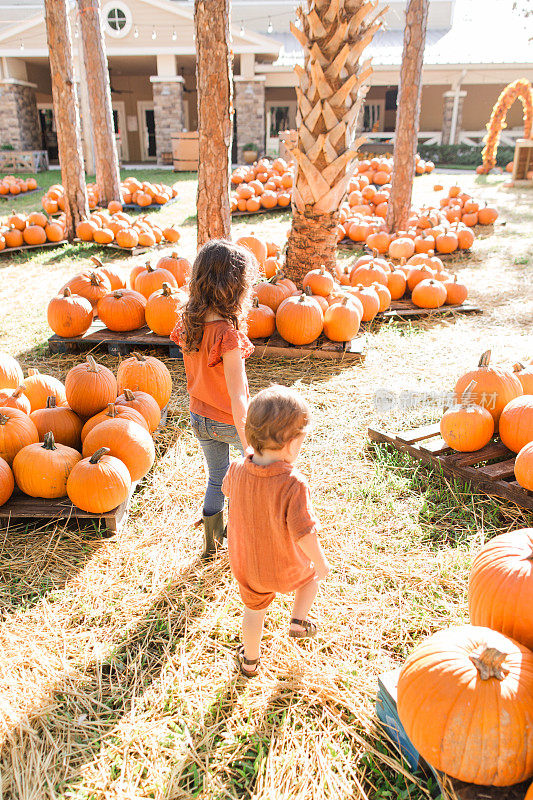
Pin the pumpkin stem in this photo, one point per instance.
(18, 391)
(518, 367)
(174, 254)
(118, 294)
(95, 458)
(490, 664)
(96, 261)
(302, 298)
(308, 291)
(92, 366)
(255, 302)
(33, 371)
(485, 359)
(66, 292)
(111, 410)
(138, 356)
(128, 394)
(51, 401)
(166, 290)
(48, 441)
(466, 397)
(375, 253)
(3, 419)
(95, 279)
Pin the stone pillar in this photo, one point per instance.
(19, 120)
(250, 111)
(452, 116)
(169, 113)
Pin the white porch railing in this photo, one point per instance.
(508, 137)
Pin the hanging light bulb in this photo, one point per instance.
(270, 26)
(174, 35)
(22, 45)
(136, 32)
(242, 28)
(154, 34)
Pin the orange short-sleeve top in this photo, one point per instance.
(206, 382)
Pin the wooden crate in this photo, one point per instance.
(275, 210)
(8, 250)
(406, 311)
(523, 162)
(21, 508)
(21, 194)
(185, 151)
(124, 343)
(133, 251)
(450, 789)
(23, 160)
(490, 469)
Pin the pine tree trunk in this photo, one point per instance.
(408, 115)
(66, 113)
(330, 91)
(105, 147)
(215, 111)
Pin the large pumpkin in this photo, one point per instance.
(144, 403)
(320, 281)
(255, 246)
(516, 423)
(126, 440)
(465, 426)
(122, 310)
(7, 481)
(11, 374)
(261, 321)
(90, 387)
(15, 398)
(38, 388)
(162, 309)
(179, 267)
(114, 411)
(115, 278)
(525, 376)
(146, 374)
(42, 470)
(495, 387)
(500, 591)
(299, 320)
(342, 320)
(69, 314)
(92, 285)
(523, 467)
(464, 699)
(61, 421)
(16, 431)
(99, 483)
(150, 279)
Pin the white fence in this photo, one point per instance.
(508, 137)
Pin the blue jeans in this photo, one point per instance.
(215, 439)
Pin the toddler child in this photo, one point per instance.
(272, 530)
(214, 346)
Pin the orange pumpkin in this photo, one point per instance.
(255, 246)
(144, 403)
(179, 267)
(60, 420)
(261, 321)
(7, 481)
(113, 411)
(299, 320)
(16, 431)
(162, 309)
(525, 376)
(429, 293)
(122, 310)
(369, 299)
(69, 314)
(100, 483)
(42, 469)
(495, 386)
(38, 388)
(92, 284)
(146, 374)
(516, 423)
(90, 387)
(320, 281)
(150, 279)
(126, 440)
(15, 398)
(341, 321)
(11, 374)
(456, 293)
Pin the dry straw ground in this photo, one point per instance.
(117, 676)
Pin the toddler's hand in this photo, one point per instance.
(322, 570)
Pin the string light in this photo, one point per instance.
(22, 45)
(242, 29)
(270, 26)
(174, 35)
(136, 32)
(154, 34)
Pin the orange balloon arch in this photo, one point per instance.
(519, 89)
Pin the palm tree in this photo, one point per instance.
(332, 85)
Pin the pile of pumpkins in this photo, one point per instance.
(141, 193)
(36, 228)
(154, 298)
(263, 185)
(445, 229)
(465, 694)
(363, 289)
(108, 226)
(89, 439)
(12, 185)
(493, 400)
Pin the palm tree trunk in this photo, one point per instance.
(408, 115)
(215, 109)
(66, 113)
(96, 69)
(333, 34)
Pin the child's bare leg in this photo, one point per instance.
(303, 600)
(252, 631)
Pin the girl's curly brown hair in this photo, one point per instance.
(221, 282)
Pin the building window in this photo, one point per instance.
(391, 99)
(117, 19)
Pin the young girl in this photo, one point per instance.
(272, 530)
(214, 348)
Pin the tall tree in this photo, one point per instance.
(214, 84)
(408, 115)
(99, 90)
(66, 112)
(333, 34)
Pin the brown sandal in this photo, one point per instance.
(310, 630)
(249, 662)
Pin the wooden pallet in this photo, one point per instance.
(496, 478)
(20, 194)
(450, 789)
(275, 210)
(124, 343)
(134, 251)
(20, 508)
(349, 244)
(275, 346)
(405, 310)
(151, 207)
(7, 250)
(115, 343)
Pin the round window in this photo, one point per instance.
(117, 19)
